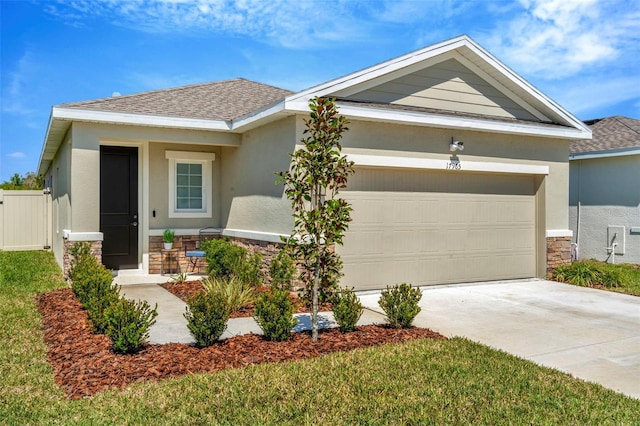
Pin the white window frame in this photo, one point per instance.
(204, 158)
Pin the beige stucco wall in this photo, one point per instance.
(373, 138)
(251, 199)
(58, 178)
(608, 193)
(159, 187)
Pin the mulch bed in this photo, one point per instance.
(188, 289)
(84, 364)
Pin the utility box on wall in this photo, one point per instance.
(615, 235)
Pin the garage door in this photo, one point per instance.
(433, 227)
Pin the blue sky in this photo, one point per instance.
(584, 54)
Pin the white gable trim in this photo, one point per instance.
(451, 122)
(444, 50)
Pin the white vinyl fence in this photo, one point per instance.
(25, 220)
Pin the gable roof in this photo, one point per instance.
(611, 136)
(239, 105)
(221, 100)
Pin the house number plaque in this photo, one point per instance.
(454, 165)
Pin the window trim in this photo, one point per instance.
(204, 158)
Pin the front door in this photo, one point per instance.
(119, 206)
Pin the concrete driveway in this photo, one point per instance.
(591, 334)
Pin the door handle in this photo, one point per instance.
(134, 223)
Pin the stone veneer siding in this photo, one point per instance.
(67, 257)
(266, 249)
(558, 252)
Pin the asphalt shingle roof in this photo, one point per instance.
(221, 100)
(610, 133)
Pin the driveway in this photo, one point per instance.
(591, 334)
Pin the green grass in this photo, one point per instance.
(421, 382)
(622, 278)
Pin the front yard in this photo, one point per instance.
(621, 278)
(424, 381)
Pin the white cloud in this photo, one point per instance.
(288, 23)
(17, 154)
(585, 98)
(560, 38)
(13, 93)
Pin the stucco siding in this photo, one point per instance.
(607, 193)
(448, 85)
(422, 142)
(58, 178)
(251, 199)
(159, 188)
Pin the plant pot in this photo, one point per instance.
(168, 246)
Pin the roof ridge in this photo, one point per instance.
(618, 117)
(168, 89)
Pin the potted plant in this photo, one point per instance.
(167, 237)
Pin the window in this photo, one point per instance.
(190, 192)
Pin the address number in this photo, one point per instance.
(454, 165)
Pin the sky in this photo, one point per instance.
(584, 54)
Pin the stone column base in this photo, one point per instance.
(558, 252)
(67, 257)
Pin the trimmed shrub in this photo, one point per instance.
(347, 309)
(400, 304)
(226, 259)
(128, 324)
(207, 315)
(234, 292)
(282, 270)
(274, 313)
(92, 284)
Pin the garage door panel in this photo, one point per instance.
(407, 228)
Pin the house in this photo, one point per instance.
(461, 175)
(604, 191)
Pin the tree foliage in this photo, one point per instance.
(29, 181)
(318, 172)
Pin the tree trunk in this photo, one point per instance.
(314, 309)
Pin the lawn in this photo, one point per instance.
(621, 278)
(421, 382)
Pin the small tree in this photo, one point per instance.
(318, 172)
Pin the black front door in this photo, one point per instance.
(119, 206)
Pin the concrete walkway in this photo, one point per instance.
(591, 334)
(171, 326)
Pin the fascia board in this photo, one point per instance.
(605, 154)
(378, 70)
(466, 123)
(74, 114)
(41, 162)
(254, 117)
(532, 90)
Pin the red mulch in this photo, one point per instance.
(188, 289)
(84, 364)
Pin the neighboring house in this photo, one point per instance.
(604, 191)
(125, 168)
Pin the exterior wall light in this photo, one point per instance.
(456, 145)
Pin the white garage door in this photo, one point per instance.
(432, 227)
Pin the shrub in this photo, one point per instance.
(92, 284)
(282, 271)
(274, 314)
(207, 315)
(234, 292)
(578, 273)
(347, 310)
(589, 272)
(128, 324)
(226, 259)
(400, 304)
